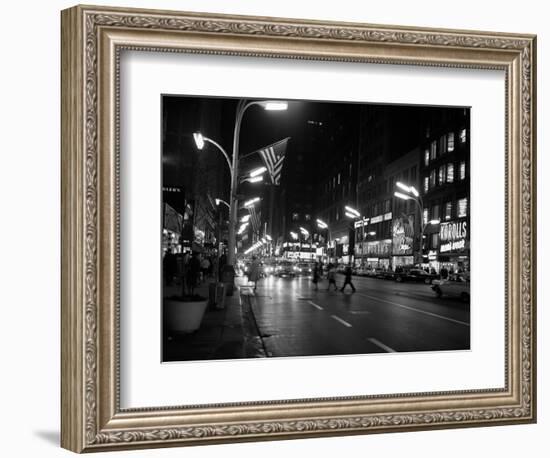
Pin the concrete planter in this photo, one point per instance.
(184, 316)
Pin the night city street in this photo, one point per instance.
(268, 203)
(295, 320)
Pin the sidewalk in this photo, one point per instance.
(228, 333)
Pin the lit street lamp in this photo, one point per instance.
(354, 214)
(251, 202)
(200, 141)
(255, 176)
(258, 171)
(252, 179)
(322, 225)
(242, 106)
(233, 163)
(221, 201)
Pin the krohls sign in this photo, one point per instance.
(452, 236)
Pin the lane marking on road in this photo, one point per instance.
(359, 312)
(318, 307)
(337, 318)
(381, 345)
(435, 315)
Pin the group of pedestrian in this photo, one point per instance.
(331, 277)
(192, 268)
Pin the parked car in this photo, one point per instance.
(286, 269)
(415, 275)
(454, 286)
(363, 271)
(384, 274)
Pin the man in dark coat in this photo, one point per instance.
(193, 272)
(347, 279)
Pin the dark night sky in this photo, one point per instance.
(344, 127)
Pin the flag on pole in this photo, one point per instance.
(273, 157)
(255, 219)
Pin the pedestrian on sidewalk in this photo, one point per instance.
(205, 266)
(169, 266)
(254, 273)
(331, 277)
(316, 275)
(347, 279)
(193, 273)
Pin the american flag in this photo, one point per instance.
(255, 218)
(274, 156)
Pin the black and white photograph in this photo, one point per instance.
(313, 228)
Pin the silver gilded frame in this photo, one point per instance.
(92, 40)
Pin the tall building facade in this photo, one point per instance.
(445, 191)
(195, 177)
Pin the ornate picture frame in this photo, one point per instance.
(92, 40)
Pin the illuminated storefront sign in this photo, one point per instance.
(453, 236)
(378, 248)
(364, 222)
(403, 235)
(377, 219)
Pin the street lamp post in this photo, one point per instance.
(233, 164)
(242, 106)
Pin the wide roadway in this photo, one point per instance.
(294, 319)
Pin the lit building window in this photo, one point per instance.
(462, 207)
(462, 170)
(425, 216)
(426, 184)
(426, 157)
(448, 210)
(463, 136)
(435, 241)
(433, 150)
(441, 174)
(451, 141)
(450, 173)
(432, 179)
(339, 178)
